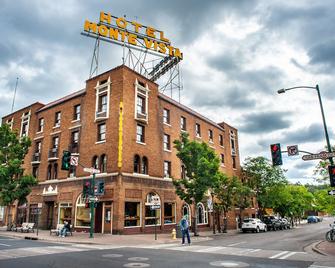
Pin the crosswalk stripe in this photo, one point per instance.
(5, 245)
(287, 255)
(319, 266)
(210, 249)
(279, 254)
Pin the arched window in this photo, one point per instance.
(49, 172)
(55, 174)
(202, 214)
(95, 162)
(103, 163)
(137, 163)
(187, 211)
(82, 218)
(144, 165)
(151, 214)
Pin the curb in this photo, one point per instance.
(317, 250)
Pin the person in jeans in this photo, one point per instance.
(185, 230)
(66, 228)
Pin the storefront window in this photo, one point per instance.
(169, 213)
(82, 213)
(202, 214)
(132, 214)
(2, 213)
(152, 215)
(33, 213)
(65, 211)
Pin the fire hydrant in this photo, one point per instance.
(173, 234)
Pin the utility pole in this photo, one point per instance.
(17, 81)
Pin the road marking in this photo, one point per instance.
(6, 245)
(319, 266)
(255, 250)
(287, 255)
(210, 249)
(279, 254)
(235, 244)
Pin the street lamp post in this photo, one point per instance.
(283, 90)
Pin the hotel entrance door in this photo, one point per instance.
(107, 220)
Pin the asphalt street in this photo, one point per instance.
(286, 248)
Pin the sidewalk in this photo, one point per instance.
(108, 239)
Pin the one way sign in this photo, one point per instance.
(331, 192)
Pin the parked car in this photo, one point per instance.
(312, 219)
(253, 225)
(272, 223)
(285, 224)
(320, 219)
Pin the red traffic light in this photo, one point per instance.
(274, 147)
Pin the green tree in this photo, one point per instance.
(202, 170)
(243, 198)
(261, 176)
(226, 190)
(324, 202)
(14, 185)
(321, 169)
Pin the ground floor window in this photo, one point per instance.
(33, 214)
(202, 214)
(187, 212)
(169, 213)
(65, 213)
(152, 215)
(132, 212)
(82, 218)
(2, 213)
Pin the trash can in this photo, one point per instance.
(178, 231)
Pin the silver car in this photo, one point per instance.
(253, 225)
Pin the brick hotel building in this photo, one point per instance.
(122, 125)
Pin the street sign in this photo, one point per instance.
(93, 199)
(331, 192)
(322, 155)
(92, 170)
(74, 161)
(153, 207)
(292, 150)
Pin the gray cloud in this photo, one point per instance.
(324, 53)
(264, 122)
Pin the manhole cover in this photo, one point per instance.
(229, 264)
(136, 264)
(138, 259)
(112, 255)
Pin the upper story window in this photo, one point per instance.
(234, 161)
(75, 137)
(102, 132)
(222, 159)
(232, 142)
(137, 164)
(221, 140)
(197, 130)
(40, 125)
(76, 112)
(95, 162)
(103, 163)
(55, 142)
(166, 116)
(103, 89)
(167, 169)
(183, 171)
(141, 101)
(10, 123)
(57, 119)
(140, 133)
(25, 119)
(38, 147)
(210, 135)
(167, 143)
(144, 167)
(183, 123)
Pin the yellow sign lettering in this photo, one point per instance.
(178, 54)
(162, 48)
(103, 30)
(88, 26)
(137, 26)
(123, 36)
(113, 33)
(121, 22)
(148, 43)
(170, 48)
(161, 33)
(132, 39)
(150, 32)
(105, 17)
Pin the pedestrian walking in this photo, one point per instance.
(184, 226)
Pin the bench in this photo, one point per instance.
(29, 227)
(19, 228)
(58, 228)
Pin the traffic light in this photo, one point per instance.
(276, 154)
(87, 188)
(66, 160)
(101, 187)
(331, 170)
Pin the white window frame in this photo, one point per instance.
(210, 136)
(166, 117)
(205, 214)
(124, 218)
(63, 205)
(168, 164)
(144, 93)
(167, 142)
(175, 213)
(198, 135)
(147, 203)
(232, 137)
(102, 89)
(188, 208)
(25, 118)
(10, 123)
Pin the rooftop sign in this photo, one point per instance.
(123, 31)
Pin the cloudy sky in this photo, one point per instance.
(237, 54)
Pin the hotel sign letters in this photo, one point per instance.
(121, 30)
